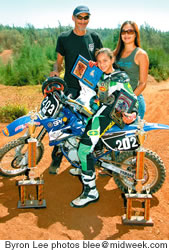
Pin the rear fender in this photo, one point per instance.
(155, 126)
(126, 138)
(134, 127)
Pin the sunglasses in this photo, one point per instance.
(82, 17)
(129, 32)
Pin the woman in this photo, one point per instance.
(133, 60)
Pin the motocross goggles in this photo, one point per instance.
(53, 86)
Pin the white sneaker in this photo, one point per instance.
(75, 171)
(84, 199)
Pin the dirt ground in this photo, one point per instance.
(98, 221)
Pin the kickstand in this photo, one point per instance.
(124, 200)
(27, 173)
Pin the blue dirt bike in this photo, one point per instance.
(64, 120)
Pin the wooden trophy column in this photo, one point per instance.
(30, 188)
(132, 215)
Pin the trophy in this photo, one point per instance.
(27, 200)
(137, 219)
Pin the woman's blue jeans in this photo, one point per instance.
(142, 106)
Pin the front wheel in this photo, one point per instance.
(14, 157)
(154, 172)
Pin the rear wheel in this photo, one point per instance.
(14, 157)
(154, 172)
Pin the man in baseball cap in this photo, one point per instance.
(81, 9)
(71, 44)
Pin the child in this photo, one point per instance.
(96, 126)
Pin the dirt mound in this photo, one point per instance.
(6, 55)
(98, 221)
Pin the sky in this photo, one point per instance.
(104, 13)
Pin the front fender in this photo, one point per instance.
(16, 126)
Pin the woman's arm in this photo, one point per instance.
(142, 60)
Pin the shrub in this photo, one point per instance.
(28, 68)
(10, 113)
(11, 39)
(159, 64)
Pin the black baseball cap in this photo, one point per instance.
(81, 9)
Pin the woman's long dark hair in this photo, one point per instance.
(120, 44)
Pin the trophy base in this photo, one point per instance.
(28, 189)
(137, 220)
(32, 204)
(129, 219)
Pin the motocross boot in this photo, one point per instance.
(90, 193)
(56, 160)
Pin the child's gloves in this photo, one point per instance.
(129, 118)
(94, 103)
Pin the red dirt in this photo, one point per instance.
(99, 221)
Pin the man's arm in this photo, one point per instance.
(58, 66)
